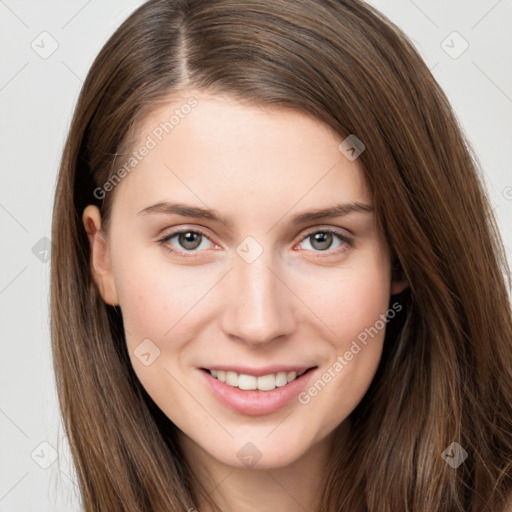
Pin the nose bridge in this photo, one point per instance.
(258, 309)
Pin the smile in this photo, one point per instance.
(257, 392)
(251, 382)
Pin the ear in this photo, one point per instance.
(398, 280)
(101, 267)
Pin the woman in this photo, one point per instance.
(277, 282)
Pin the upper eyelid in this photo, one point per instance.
(179, 231)
(336, 230)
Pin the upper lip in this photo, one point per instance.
(258, 372)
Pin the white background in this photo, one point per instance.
(37, 97)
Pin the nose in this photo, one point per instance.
(259, 308)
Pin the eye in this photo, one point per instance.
(327, 240)
(185, 241)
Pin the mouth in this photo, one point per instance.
(249, 381)
(257, 392)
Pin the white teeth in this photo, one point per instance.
(291, 376)
(247, 382)
(250, 382)
(232, 379)
(281, 379)
(267, 382)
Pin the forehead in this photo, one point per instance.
(215, 150)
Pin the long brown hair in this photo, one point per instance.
(446, 370)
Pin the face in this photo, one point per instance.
(222, 264)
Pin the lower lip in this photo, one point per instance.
(256, 403)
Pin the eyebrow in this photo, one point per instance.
(208, 214)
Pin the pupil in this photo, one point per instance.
(324, 239)
(189, 240)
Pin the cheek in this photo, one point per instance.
(348, 299)
(352, 303)
(157, 303)
(363, 299)
(145, 302)
(154, 295)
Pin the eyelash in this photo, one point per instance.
(345, 240)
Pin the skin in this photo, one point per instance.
(300, 301)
